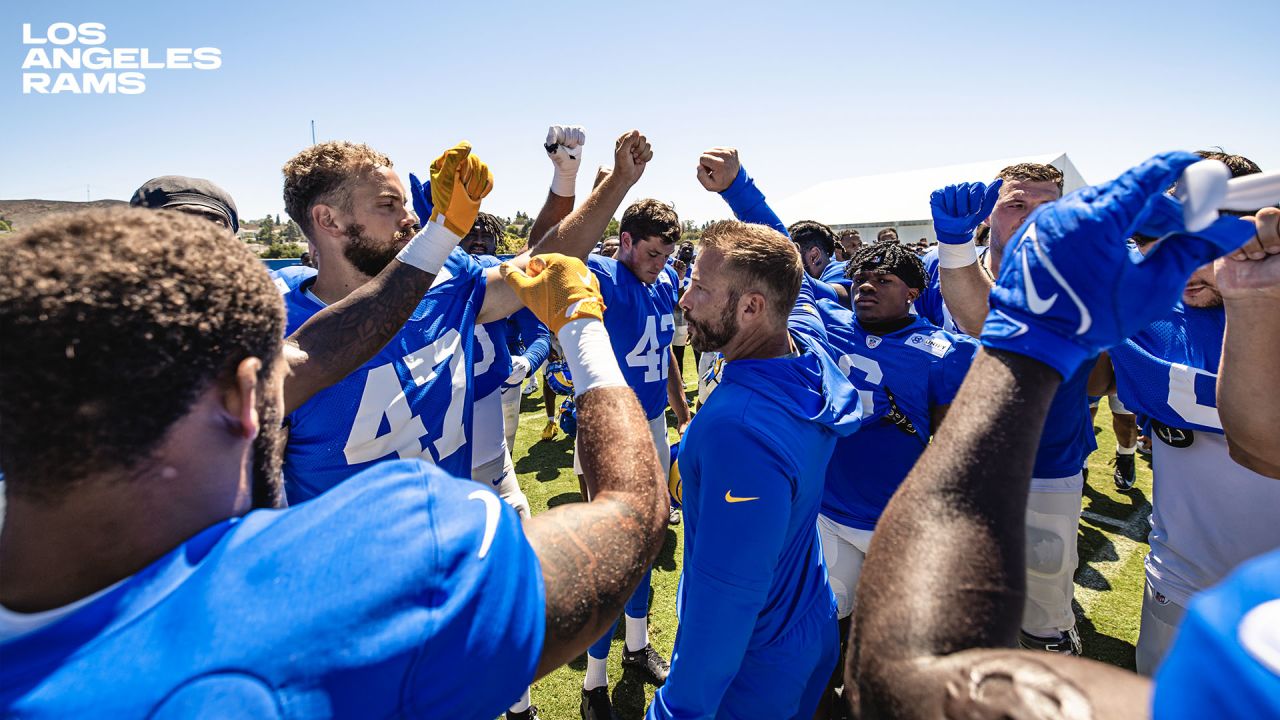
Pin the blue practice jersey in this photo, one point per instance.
(491, 359)
(900, 377)
(412, 400)
(1168, 372)
(641, 325)
(752, 464)
(834, 272)
(1067, 438)
(1225, 661)
(402, 593)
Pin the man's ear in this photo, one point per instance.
(325, 219)
(913, 294)
(751, 307)
(624, 240)
(240, 398)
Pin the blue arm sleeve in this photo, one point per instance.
(729, 570)
(748, 204)
(536, 338)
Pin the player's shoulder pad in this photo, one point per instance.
(287, 279)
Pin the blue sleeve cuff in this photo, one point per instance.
(1002, 332)
(748, 204)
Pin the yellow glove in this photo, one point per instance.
(558, 289)
(459, 181)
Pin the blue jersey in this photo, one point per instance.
(411, 400)
(641, 324)
(1067, 438)
(901, 376)
(1168, 372)
(491, 359)
(752, 465)
(1225, 661)
(834, 272)
(402, 593)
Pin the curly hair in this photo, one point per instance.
(491, 224)
(649, 218)
(810, 233)
(1033, 172)
(764, 261)
(320, 173)
(114, 322)
(890, 257)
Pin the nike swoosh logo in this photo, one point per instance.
(492, 511)
(1035, 303)
(729, 498)
(586, 279)
(574, 307)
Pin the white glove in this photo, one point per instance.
(564, 147)
(520, 368)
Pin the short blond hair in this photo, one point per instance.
(762, 260)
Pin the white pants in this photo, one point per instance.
(844, 549)
(1160, 619)
(658, 429)
(511, 414)
(500, 476)
(1053, 519)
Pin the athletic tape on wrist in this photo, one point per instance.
(590, 356)
(957, 256)
(563, 184)
(428, 250)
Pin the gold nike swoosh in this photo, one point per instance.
(729, 498)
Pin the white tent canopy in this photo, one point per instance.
(901, 199)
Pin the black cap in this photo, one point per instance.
(176, 191)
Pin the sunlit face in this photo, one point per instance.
(710, 303)
(268, 447)
(645, 258)
(1016, 201)
(379, 221)
(881, 296)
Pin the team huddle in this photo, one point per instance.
(235, 493)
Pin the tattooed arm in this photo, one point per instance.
(593, 554)
(342, 337)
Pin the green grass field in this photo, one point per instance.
(1112, 543)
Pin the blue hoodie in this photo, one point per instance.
(753, 464)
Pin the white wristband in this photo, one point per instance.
(428, 250)
(957, 256)
(587, 350)
(563, 184)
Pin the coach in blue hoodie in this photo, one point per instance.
(758, 634)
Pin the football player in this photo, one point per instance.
(939, 644)
(639, 291)
(414, 398)
(965, 281)
(758, 633)
(143, 393)
(1209, 512)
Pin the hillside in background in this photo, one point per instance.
(21, 213)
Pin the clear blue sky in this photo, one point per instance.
(807, 91)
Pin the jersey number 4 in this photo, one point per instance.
(648, 353)
(384, 396)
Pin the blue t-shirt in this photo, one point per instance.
(402, 593)
(920, 366)
(1067, 438)
(412, 400)
(1168, 372)
(1225, 660)
(752, 465)
(641, 325)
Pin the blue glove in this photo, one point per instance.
(421, 193)
(1068, 287)
(958, 209)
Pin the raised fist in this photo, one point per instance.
(564, 148)
(959, 209)
(630, 156)
(459, 181)
(718, 167)
(1253, 272)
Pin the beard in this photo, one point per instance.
(370, 256)
(709, 336)
(268, 483)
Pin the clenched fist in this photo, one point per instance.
(718, 167)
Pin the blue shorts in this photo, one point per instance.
(786, 678)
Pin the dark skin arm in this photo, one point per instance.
(1102, 379)
(593, 554)
(941, 594)
(555, 209)
(342, 337)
